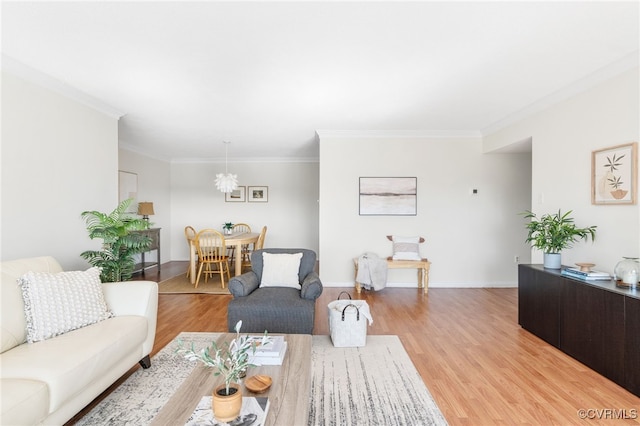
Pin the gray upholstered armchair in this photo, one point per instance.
(287, 309)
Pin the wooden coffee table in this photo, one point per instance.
(288, 395)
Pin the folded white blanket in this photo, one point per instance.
(372, 271)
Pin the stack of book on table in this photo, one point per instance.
(271, 353)
(585, 275)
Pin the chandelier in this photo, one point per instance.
(226, 182)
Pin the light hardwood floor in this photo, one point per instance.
(480, 366)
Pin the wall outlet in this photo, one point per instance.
(516, 259)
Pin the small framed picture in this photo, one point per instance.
(614, 173)
(238, 195)
(258, 194)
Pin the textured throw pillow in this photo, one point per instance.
(280, 270)
(56, 303)
(406, 248)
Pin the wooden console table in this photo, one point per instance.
(421, 265)
(154, 234)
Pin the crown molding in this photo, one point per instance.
(218, 160)
(260, 160)
(17, 68)
(608, 72)
(403, 134)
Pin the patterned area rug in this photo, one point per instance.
(182, 284)
(373, 385)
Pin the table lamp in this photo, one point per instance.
(145, 208)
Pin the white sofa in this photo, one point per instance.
(49, 381)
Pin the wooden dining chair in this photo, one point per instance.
(258, 245)
(239, 228)
(190, 234)
(212, 255)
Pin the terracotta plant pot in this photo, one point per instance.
(227, 407)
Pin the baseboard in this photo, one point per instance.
(499, 284)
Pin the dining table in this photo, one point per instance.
(236, 239)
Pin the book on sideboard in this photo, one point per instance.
(585, 275)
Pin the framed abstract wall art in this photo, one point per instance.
(614, 174)
(388, 196)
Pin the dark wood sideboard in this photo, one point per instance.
(595, 322)
(154, 234)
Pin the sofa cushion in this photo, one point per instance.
(80, 356)
(14, 326)
(406, 248)
(280, 270)
(60, 302)
(24, 401)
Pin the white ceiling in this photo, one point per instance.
(267, 75)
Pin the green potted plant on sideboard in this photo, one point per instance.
(552, 233)
(116, 258)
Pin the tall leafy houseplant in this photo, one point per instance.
(552, 233)
(119, 245)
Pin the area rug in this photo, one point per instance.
(373, 385)
(182, 284)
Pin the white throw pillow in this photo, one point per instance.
(280, 270)
(56, 303)
(406, 248)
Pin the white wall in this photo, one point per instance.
(470, 239)
(563, 138)
(153, 185)
(291, 213)
(59, 158)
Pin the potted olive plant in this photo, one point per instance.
(230, 361)
(116, 258)
(552, 233)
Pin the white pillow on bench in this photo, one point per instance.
(406, 248)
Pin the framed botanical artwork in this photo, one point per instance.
(388, 196)
(238, 195)
(128, 188)
(614, 174)
(258, 194)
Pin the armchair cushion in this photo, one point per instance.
(280, 270)
(307, 262)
